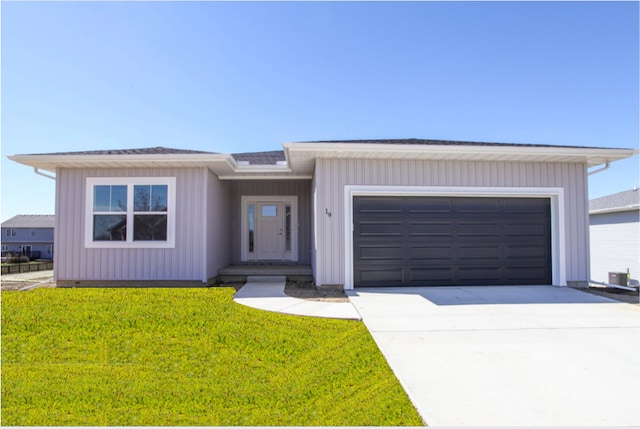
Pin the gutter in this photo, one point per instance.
(599, 170)
(39, 173)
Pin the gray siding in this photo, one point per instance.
(23, 236)
(184, 262)
(218, 219)
(615, 244)
(300, 188)
(331, 175)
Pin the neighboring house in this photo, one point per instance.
(29, 235)
(614, 225)
(359, 213)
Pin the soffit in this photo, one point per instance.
(302, 155)
(223, 165)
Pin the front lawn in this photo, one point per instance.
(119, 357)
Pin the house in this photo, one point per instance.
(29, 235)
(356, 212)
(614, 226)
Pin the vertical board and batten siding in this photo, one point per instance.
(615, 244)
(300, 188)
(74, 262)
(331, 176)
(218, 218)
(314, 227)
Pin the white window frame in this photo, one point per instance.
(5, 248)
(11, 232)
(556, 196)
(130, 182)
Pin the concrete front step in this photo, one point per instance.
(238, 273)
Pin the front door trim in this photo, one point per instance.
(245, 201)
(556, 195)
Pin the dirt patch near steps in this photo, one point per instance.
(308, 290)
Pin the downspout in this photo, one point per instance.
(606, 167)
(35, 170)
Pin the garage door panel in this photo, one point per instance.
(480, 252)
(430, 253)
(424, 229)
(539, 252)
(475, 273)
(451, 241)
(525, 229)
(391, 253)
(420, 205)
(380, 205)
(524, 205)
(375, 229)
(532, 275)
(477, 205)
(483, 229)
(381, 276)
(430, 277)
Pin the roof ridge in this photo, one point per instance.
(417, 141)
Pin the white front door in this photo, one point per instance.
(270, 237)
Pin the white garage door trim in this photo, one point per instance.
(556, 195)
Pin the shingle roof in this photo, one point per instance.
(626, 199)
(440, 143)
(30, 221)
(261, 158)
(144, 151)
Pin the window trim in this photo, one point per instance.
(11, 232)
(130, 182)
(33, 232)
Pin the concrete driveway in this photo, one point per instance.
(509, 356)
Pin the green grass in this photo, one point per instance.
(121, 357)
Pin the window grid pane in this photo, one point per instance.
(251, 226)
(109, 227)
(150, 227)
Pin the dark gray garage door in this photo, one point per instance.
(444, 241)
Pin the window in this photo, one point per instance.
(5, 248)
(287, 227)
(269, 211)
(49, 249)
(252, 227)
(11, 232)
(33, 232)
(130, 212)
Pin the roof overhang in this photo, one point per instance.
(223, 165)
(300, 158)
(634, 207)
(301, 155)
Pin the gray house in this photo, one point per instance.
(29, 235)
(614, 225)
(354, 213)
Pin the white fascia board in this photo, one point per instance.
(50, 162)
(265, 177)
(616, 209)
(593, 156)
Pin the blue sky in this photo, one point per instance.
(248, 76)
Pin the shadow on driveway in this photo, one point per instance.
(491, 295)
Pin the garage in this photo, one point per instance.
(451, 241)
